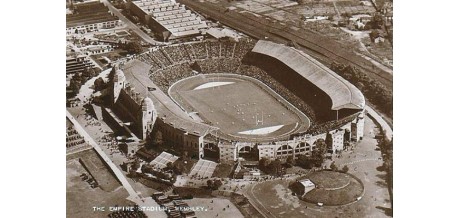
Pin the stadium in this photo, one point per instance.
(225, 100)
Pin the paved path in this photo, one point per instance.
(381, 122)
(130, 24)
(133, 195)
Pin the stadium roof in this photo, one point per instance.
(343, 94)
(137, 74)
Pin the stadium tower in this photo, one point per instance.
(118, 79)
(147, 117)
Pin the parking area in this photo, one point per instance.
(203, 169)
(164, 158)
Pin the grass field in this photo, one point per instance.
(333, 188)
(81, 198)
(99, 170)
(237, 107)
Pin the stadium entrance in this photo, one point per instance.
(211, 151)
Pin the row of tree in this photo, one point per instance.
(78, 79)
(133, 47)
(271, 167)
(374, 90)
(214, 184)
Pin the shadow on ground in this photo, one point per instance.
(386, 210)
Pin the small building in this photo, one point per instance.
(303, 186)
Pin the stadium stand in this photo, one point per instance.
(170, 64)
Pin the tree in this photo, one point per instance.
(210, 184)
(275, 167)
(214, 184)
(169, 165)
(290, 161)
(133, 47)
(99, 84)
(217, 184)
(345, 169)
(321, 146)
(264, 163)
(333, 166)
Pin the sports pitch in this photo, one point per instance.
(239, 106)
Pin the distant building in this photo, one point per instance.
(167, 19)
(219, 33)
(89, 17)
(303, 186)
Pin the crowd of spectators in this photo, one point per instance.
(188, 51)
(199, 50)
(170, 64)
(168, 76)
(175, 54)
(213, 48)
(318, 128)
(220, 65)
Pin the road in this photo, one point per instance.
(388, 131)
(133, 195)
(321, 48)
(130, 24)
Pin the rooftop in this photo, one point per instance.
(173, 16)
(343, 94)
(307, 183)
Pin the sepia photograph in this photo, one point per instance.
(229, 108)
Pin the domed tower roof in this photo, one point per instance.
(147, 104)
(118, 76)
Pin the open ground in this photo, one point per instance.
(81, 198)
(214, 207)
(275, 199)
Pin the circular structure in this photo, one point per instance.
(333, 188)
(237, 105)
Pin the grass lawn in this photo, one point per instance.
(81, 198)
(333, 188)
(98, 169)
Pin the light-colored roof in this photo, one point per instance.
(173, 16)
(342, 93)
(307, 183)
(147, 104)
